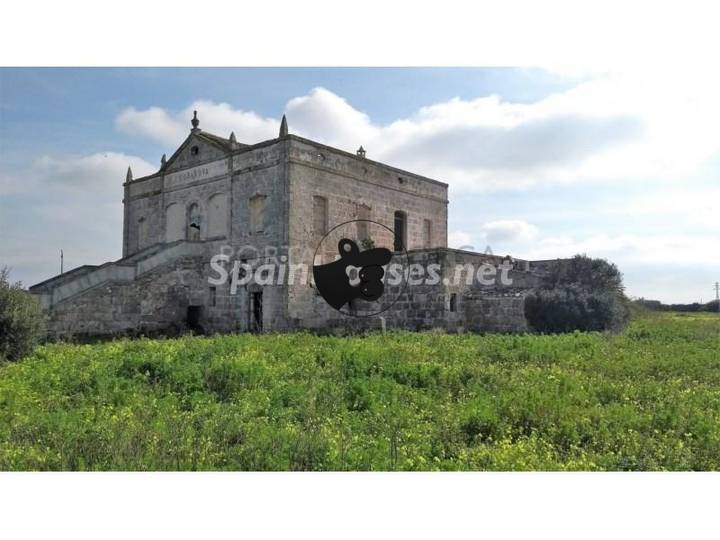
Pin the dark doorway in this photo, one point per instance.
(256, 312)
(193, 318)
(400, 226)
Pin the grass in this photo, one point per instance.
(646, 399)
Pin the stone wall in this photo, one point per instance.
(443, 303)
(155, 302)
(355, 188)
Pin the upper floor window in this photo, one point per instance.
(400, 231)
(363, 215)
(427, 233)
(217, 215)
(194, 222)
(174, 222)
(142, 233)
(257, 214)
(320, 215)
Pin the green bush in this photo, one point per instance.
(21, 319)
(580, 294)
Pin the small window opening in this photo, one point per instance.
(213, 296)
(453, 302)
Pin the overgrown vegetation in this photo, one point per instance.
(580, 294)
(644, 399)
(21, 319)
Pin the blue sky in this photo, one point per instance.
(541, 165)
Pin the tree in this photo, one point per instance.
(22, 322)
(579, 294)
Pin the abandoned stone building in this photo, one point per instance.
(257, 201)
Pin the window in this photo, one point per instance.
(213, 296)
(195, 150)
(427, 233)
(257, 214)
(142, 233)
(453, 302)
(400, 228)
(174, 223)
(320, 215)
(194, 222)
(363, 213)
(217, 215)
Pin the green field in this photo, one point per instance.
(647, 399)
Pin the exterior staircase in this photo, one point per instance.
(127, 269)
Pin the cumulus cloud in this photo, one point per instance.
(171, 129)
(326, 117)
(611, 127)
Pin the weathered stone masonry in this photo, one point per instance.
(216, 195)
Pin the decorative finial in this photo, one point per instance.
(361, 152)
(283, 127)
(232, 138)
(163, 161)
(195, 122)
(128, 176)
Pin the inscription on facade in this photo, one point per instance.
(201, 172)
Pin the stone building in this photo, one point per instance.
(254, 202)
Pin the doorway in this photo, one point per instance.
(256, 312)
(193, 319)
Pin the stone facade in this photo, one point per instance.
(274, 200)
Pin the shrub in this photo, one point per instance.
(580, 294)
(21, 319)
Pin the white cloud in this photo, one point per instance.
(614, 127)
(458, 239)
(98, 172)
(70, 203)
(510, 230)
(326, 117)
(153, 123)
(168, 128)
(646, 249)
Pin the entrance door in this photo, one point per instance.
(193, 318)
(256, 312)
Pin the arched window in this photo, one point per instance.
(193, 222)
(400, 231)
(174, 223)
(217, 215)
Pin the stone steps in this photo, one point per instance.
(123, 270)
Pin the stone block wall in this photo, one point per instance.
(155, 302)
